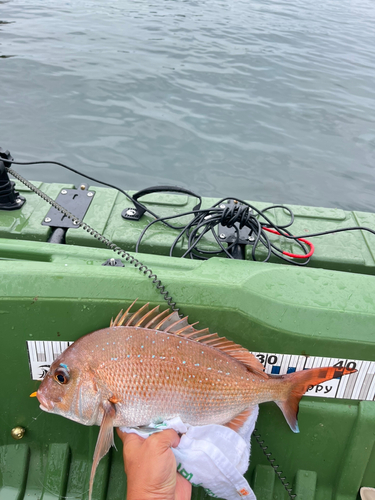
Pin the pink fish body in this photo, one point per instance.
(157, 367)
(152, 376)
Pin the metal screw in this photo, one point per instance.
(90, 193)
(18, 200)
(64, 191)
(131, 211)
(82, 186)
(222, 236)
(222, 206)
(251, 238)
(47, 219)
(76, 222)
(18, 432)
(112, 261)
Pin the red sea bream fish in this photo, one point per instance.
(148, 367)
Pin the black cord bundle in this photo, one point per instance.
(238, 216)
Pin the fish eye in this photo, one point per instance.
(61, 376)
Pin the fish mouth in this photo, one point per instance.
(45, 404)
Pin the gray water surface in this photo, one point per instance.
(263, 100)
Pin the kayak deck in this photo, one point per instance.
(352, 251)
(57, 293)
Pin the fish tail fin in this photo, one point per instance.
(299, 382)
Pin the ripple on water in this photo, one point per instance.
(262, 100)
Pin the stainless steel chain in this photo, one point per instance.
(272, 463)
(155, 281)
(122, 253)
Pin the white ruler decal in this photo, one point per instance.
(359, 385)
(42, 354)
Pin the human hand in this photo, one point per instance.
(151, 469)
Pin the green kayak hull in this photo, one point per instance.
(57, 293)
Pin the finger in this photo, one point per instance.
(131, 441)
(183, 488)
(165, 439)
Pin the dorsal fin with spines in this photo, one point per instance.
(147, 317)
(155, 320)
(120, 318)
(170, 322)
(137, 316)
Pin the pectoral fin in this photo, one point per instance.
(237, 422)
(105, 440)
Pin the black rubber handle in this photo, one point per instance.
(162, 189)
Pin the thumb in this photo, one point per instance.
(165, 439)
(131, 441)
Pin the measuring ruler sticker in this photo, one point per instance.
(285, 363)
(330, 388)
(371, 382)
(360, 379)
(351, 382)
(42, 354)
(325, 389)
(359, 385)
